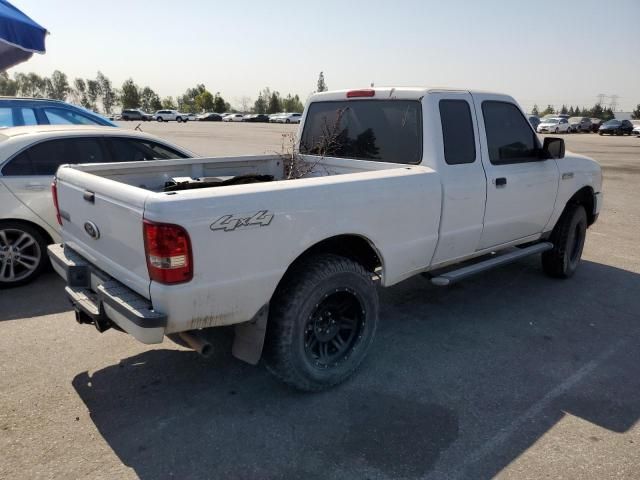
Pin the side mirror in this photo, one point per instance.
(553, 148)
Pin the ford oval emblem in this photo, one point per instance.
(92, 230)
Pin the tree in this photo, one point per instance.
(636, 113)
(274, 103)
(58, 86)
(80, 92)
(322, 86)
(245, 104)
(596, 112)
(93, 90)
(563, 110)
(260, 105)
(168, 103)
(149, 100)
(130, 95)
(535, 111)
(608, 114)
(548, 110)
(292, 104)
(219, 105)
(8, 86)
(187, 102)
(571, 111)
(107, 94)
(30, 85)
(204, 101)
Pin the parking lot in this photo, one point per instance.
(508, 374)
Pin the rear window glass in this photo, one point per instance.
(381, 130)
(60, 116)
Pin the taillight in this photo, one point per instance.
(168, 251)
(360, 93)
(54, 194)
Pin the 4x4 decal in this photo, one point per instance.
(229, 223)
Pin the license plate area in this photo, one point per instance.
(79, 276)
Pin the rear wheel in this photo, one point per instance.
(159, 119)
(322, 322)
(568, 238)
(22, 253)
(179, 119)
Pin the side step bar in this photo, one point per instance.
(456, 275)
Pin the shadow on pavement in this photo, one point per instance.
(45, 296)
(459, 383)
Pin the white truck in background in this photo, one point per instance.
(391, 182)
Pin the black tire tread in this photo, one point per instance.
(552, 260)
(294, 289)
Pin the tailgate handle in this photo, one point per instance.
(89, 196)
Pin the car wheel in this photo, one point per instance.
(568, 238)
(179, 119)
(322, 322)
(159, 119)
(22, 253)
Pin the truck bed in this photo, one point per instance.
(244, 237)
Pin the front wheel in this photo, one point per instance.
(22, 254)
(322, 322)
(179, 119)
(159, 119)
(568, 238)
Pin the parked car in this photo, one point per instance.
(233, 117)
(616, 127)
(29, 157)
(192, 117)
(595, 124)
(580, 124)
(534, 120)
(289, 118)
(636, 131)
(256, 117)
(273, 118)
(15, 112)
(553, 125)
(210, 117)
(131, 114)
(170, 115)
(296, 264)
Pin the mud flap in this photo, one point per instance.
(249, 337)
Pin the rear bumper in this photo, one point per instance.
(105, 300)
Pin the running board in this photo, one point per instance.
(456, 275)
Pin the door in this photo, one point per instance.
(521, 187)
(454, 135)
(30, 173)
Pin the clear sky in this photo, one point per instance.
(539, 51)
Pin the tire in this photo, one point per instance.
(23, 253)
(568, 238)
(287, 121)
(159, 119)
(556, 130)
(322, 322)
(179, 119)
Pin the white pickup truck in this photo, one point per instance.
(388, 183)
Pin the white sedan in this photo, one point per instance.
(29, 158)
(554, 125)
(233, 117)
(289, 118)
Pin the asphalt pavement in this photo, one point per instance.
(509, 374)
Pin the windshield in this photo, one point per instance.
(613, 122)
(551, 120)
(575, 119)
(382, 130)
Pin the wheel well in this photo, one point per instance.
(41, 230)
(584, 197)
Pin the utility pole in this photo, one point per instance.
(614, 102)
(600, 98)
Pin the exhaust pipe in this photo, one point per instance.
(197, 342)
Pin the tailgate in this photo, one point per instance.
(102, 221)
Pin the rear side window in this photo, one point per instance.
(6, 117)
(381, 130)
(132, 150)
(28, 116)
(60, 116)
(45, 158)
(510, 138)
(457, 132)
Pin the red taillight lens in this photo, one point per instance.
(360, 93)
(168, 251)
(54, 194)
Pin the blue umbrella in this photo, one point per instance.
(20, 36)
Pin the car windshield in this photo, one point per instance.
(551, 120)
(575, 119)
(381, 130)
(613, 123)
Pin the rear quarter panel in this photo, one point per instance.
(236, 270)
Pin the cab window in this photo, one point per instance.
(510, 138)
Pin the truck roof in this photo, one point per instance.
(402, 93)
(60, 130)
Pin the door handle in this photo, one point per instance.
(500, 182)
(35, 186)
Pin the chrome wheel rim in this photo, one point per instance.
(19, 255)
